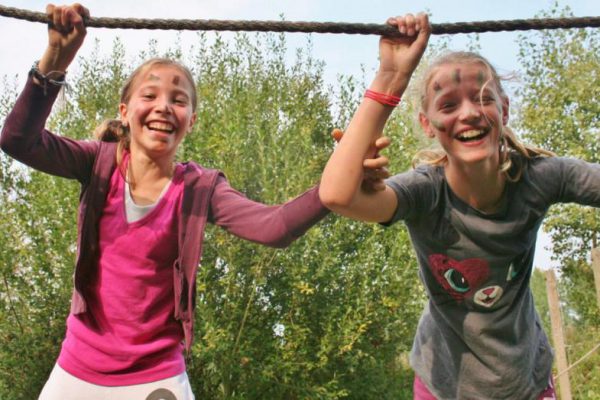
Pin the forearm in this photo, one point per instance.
(24, 124)
(271, 225)
(343, 174)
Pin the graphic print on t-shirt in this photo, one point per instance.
(462, 279)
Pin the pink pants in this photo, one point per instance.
(422, 393)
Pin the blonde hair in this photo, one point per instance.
(113, 130)
(509, 143)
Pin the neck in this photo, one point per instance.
(480, 186)
(142, 169)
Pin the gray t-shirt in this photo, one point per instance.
(479, 336)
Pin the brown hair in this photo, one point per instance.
(113, 130)
(509, 141)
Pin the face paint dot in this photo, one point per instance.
(436, 87)
(438, 125)
(176, 80)
(456, 76)
(480, 78)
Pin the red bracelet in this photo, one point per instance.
(382, 98)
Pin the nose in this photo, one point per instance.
(470, 111)
(163, 105)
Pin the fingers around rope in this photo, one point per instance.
(66, 18)
(410, 24)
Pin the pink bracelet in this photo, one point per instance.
(382, 98)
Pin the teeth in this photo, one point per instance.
(470, 134)
(161, 126)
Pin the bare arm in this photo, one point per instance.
(341, 189)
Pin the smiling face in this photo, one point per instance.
(466, 111)
(159, 110)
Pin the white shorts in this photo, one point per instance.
(63, 386)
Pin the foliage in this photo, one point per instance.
(540, 297)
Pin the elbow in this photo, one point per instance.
(8, 144)
(334, 199)
(5, 144)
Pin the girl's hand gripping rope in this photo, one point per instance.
(66, 32)
(398, 57)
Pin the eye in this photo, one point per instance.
(447, 106)
(456, 280)
(148, 96)
(487, 100)
(181, 101)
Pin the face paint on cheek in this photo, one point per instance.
(438, 125)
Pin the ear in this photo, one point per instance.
(505, 110)
(426, 125)
(123, 113)
(192, 122)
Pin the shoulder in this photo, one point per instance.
(421, 176)
(553, 169)
(198, 175)
(563, 179)
(418, 191)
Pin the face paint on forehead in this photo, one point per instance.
(176, 80)
(152, 77)
(480, 78)
(456, 76)
(436, 87)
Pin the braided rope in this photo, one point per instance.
(317, 27)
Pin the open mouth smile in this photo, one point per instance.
(472, 135)
(164, 127)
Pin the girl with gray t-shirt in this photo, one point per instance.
(473, 209)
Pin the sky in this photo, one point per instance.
(22, 42)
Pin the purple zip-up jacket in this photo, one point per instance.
(207, 196)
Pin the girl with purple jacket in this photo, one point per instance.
(141, 223)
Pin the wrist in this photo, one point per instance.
(50, 78)
(53, 61)
(390, 83)
(382, 98)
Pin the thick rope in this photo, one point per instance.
(316, 27)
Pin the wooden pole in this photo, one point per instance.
(557, 336)
(596, 269)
